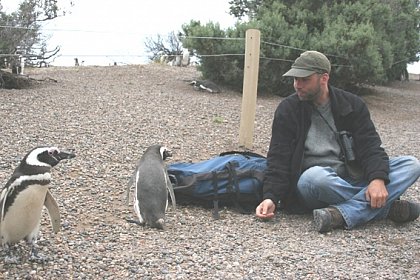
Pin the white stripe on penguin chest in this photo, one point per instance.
(23, 216)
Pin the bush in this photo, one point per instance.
(368, 42)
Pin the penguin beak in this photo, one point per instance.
(167, 154)
(65, 155)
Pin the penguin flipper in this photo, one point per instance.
(53, 211)
(2, 203)
(130, 183)
(3, 198)
(171, 193)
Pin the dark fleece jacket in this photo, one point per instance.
(290, 127)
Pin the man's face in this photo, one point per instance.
(308, 88)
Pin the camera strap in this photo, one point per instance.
(325, 120)
(337, 136)
(352, 170)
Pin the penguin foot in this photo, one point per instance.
(135, 222)
(159, 224)
(37, 257)
(11, 260)
(10, 257)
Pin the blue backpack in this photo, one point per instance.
(230, 179)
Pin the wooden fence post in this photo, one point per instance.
(250, 83)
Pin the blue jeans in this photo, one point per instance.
(319, 187)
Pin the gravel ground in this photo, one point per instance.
(110, 115)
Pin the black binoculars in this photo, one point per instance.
(347, 145)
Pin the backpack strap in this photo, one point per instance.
(233, 178)
(232, 189)
(215, 211)
(244, 153)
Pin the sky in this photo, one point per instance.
(101, 32)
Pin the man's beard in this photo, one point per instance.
(311, 95)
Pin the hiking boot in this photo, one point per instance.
(327, 219)
(402, 211)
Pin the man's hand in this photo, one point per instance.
(377, 193)
(266, 209)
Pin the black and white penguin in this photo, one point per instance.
(151, 187)
(25, 194)
(205, 85)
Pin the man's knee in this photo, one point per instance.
(409, 164)
(414, 165)
(316, 176)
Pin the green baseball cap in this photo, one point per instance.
(308, 63)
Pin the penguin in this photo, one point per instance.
(205, 85)
(25, 194)
(152, 184)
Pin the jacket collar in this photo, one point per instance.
(339, 105)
